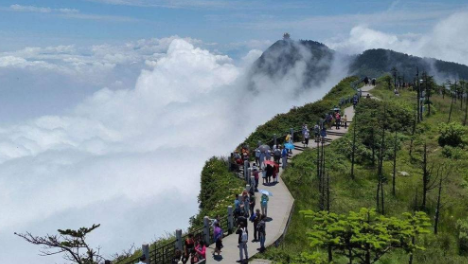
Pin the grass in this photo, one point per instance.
(349, 195)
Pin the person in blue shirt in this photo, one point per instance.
(236, 202)
(284, 157)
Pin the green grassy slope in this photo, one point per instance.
(348, 195)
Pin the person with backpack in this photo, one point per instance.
(252, 200)
(264, 204)
(256, 176)
(255, 218)
(277, 155)
(306, 138)
(269, 173)
(218, 237)
(189, 245)
(257, 156)
(243, 239)
(267, 154)
(337, 120)
(284, 157)
(236, 202)
(317, 132)
(261, 228)
(323, 134)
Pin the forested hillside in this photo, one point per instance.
(376, 62)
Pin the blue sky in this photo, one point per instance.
(229, 24)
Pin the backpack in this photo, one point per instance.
(252, 217)
(264, 200)
(245, 236)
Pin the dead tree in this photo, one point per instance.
(72, 243)
(354, 144)
(395, 145)
(380, 189)
(442, 173)
(426, 178)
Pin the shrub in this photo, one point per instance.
(452, 134)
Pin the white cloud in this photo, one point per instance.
(125, 157)
(70, 13)
(22, 8)
(445, 41)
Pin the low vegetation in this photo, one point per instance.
(426, 161)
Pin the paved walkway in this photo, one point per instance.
(279, 207)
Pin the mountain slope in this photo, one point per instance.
(376, 62)
(313, 60)
(285, 57)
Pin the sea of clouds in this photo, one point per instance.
(129, 158)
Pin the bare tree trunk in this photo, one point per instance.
(466, 108)
(328, 192)
(322, 180)
(373, 147)
(380, 167)
(425, 177)
(394, 163)
(354, 145)
(413, 130)
(451, 108)
(437, 213)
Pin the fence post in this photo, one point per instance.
(206, 229)
(247, 187)
(230, 219)
(275, 139)
(249, 176)
(180, 243)
(145, 249)
(246, 172)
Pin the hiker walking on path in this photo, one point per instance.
(261, 229)
(306, 137)
(252, 200)
(246, 201)
(345, 121)
(257, 156)
(277, 154)
(355, 101)
(264, 204)
(323, 133)
(268, 154)
(316, 132)
(218, 237)
(243, 239)
(337, 120)
(284, 156)
(256, 176)
(255, 218)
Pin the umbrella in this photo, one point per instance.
(270, 162)
(264, 148)
(289, 146)
(336, 109)
(265, 192)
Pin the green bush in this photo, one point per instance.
(452, 134)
